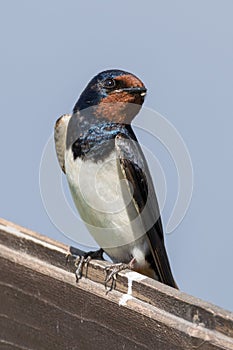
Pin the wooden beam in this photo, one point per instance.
(42, 306)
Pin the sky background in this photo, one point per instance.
(183, 51)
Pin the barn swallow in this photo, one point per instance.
(108, 175)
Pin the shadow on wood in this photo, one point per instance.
(42, 306)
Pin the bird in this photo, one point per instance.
(109, 177)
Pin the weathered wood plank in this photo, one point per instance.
(42, 307)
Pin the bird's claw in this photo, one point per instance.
(82, 259)
(80, 262)
(67, 257)
(111, 272)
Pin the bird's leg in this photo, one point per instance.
(111, 272)
(83, 258)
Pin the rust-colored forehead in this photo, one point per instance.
(130, 80)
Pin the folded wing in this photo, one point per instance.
(60, 133)
(133, 166)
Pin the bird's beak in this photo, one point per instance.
(133, 90)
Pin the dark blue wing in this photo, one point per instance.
(134, 168)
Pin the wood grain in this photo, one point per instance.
(42, 306)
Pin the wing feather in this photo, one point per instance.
(133, 167)
(60, 132)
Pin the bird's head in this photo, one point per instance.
(114, 95)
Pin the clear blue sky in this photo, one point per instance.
(183, 51)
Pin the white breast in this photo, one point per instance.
(101, 199)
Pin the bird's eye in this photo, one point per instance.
(109, 83)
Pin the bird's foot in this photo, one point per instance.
(80, 262)
(82, 259)
(112, 270)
